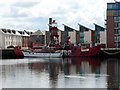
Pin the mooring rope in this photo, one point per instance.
(115, 53)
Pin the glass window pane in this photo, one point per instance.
(112, 6)
(116, 44)
(116, 19)
(81, 34)
(109, 6)
(116, 25)
(115, 12)
(115, 38)
(116, 31)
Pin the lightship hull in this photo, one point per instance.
(77, 52)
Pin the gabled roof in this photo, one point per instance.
(29, 32)
(3, 30)
(23, 33)
(15, 32)
(38, 32)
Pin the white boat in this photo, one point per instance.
(42, 54)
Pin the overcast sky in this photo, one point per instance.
(34, 14)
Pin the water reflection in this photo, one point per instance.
(53, 67)
(61, 73)
(82, 66)
(113, 69)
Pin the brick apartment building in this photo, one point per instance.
(113, 25)
(37, 37)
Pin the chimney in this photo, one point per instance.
(50, 22)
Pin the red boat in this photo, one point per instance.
(35, 46)
(70, 50)
(18, 52)
(53, 49)
(77, 51)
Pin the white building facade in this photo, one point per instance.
(11, 38)
(87, 36)
(103, 37)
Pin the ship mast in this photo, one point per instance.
(54, 42)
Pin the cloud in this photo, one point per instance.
(16, 13)
(25, 4)
(30, 14)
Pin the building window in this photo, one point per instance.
(81, 35)
(116, 12)
(116, 31)
(116, 39)
(81, 40)
(119, 38)
(97, 39)
(111, 6)
(116, 25)
(116, 44)
(116, 19)
(119, 31)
